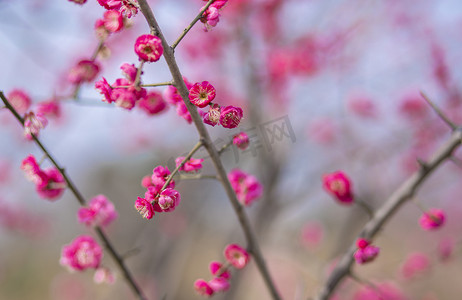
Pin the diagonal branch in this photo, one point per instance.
(251, 239)
(118, 259)
(405, 192)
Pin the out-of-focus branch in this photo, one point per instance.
(405, 192)
(107, 243)
(251, 239)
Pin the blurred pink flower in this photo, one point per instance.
(432, 219)
(192, 165)
(246, 186)
(20, 100)
(338, 185)
(414, 265)
(81, 254)
(237, 256)
(203, 288)
(99, 212)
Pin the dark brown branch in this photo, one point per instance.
(405, 192)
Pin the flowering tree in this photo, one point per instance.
(253, 157)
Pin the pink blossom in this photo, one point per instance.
(123, 98)
(99, 212)
(338, 185)
(171, 94)
(312, 234)
(152, 194)
(52, 184)
(146, 181)
(100, 29)
(81, 254)
(104, 275)
(160, 175)
(113, 20)
(84, 71)
(230, 116)
(241, 140)
(219, 284)
(81, 2)
(366, 252)
(148, 47)
(445, 248)
(130, 71)
(20, 100)
(33, 123)
(31, 168)
(128, 9)
(362, 106)
(414, 265)
(322, 131)
(201, 94)
(246, 186)
(183, 112)
(203, 288)
(153, 103)
(212, 117)
(110, 4)
(104, 89)
(144, 207)
(192, 165)
(51, 108)
(215, 268)
(169, 199)
(432, 219)
(236, 256)
(413, 106)
(211, 16)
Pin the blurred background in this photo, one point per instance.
(324, 85)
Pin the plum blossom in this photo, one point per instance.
(169, 199)
(201, 94)
(432, 219)
(366, 252)
(148, 47)
(219, 284)
(159, 177)
(81, 254)
(237, 256)
(338, 185)
(20, 100)
(241, 140)
(215, 267)
(230, 116)
(203, 288)
(211, 16)
(104, 275)
(246, 186)
(212, 117)
(84, 71)
(415, 264)
(33, 123)
(144, 207)
(152, 103)
(51, 184)
(192, 165)
(99, 212)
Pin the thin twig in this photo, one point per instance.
(225, 146)
(187, 29)
(439, 112)
(197, 176)
(405, 192)
(137, 81)
(185, 160)
(149, 85)
(251, 239)
(130, 280)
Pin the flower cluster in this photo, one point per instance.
(235, 256)
(246, 186)
(366, 252)
(202, 94)
(49, 183)
(126, 7)
(155, 198)
(33, 123)
(432, 219)
(211, 16)
(99, 212)
(338, 185)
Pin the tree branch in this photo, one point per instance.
(208, 144)
(384, 213)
